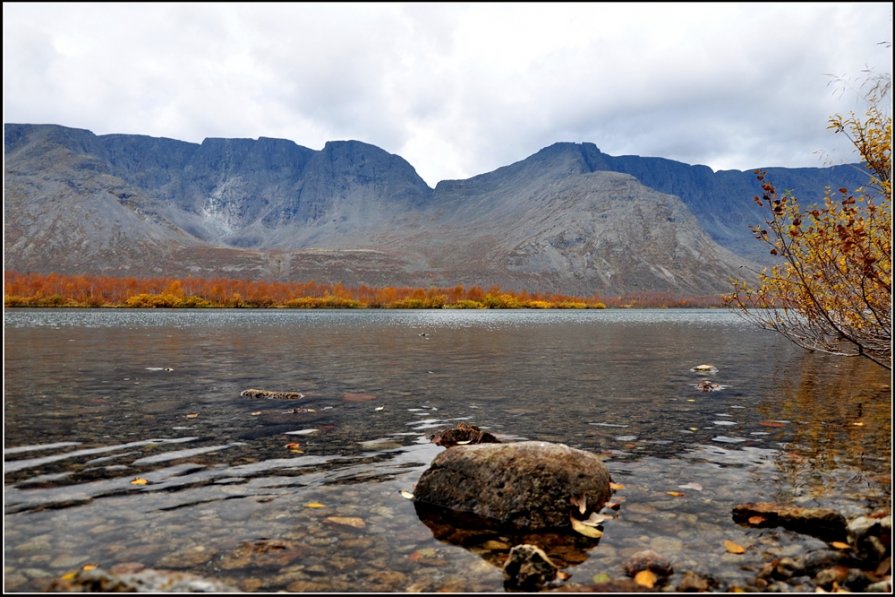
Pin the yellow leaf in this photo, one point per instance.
(601, 577)
(675, 493)
(858, 423)
(350, 521)
(616, 486)
(139, 481)
(840, 545)
(315, 505)
(406, 494)
(646, 578)
(732, 547)
(89, 567)
(587, 531)
(69, 575)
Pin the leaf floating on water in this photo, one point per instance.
(293, 446)
(407, 495)
(691, 399)
(89, 567)
(139, 481)
(646, 579)
(732, 547)
(858, 424)
(756, 520)
(349, 521)
(595, 519)
(561, 575)
(615, 486)
(315, 505)
(693, 486)
(771, 424)
(600, 578)
(587, 531)
(378, 408)
(192, 415)
(675, 493)
(256, 413)
(423, 554)
(69, 576)
(840, 545)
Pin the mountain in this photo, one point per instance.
(567, 219)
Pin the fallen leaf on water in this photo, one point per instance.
(693, 486)
(675, 493)
(691, 399)
(292, 446)
(192, 415)
(601, 577)
(69, 575)
(89, 567)
(840, 545)
(139, 481)
(646, 578)
(315, 505)
(379, 408)
(350, 521)
(563, 575)
(580, 503)
(406, 494)
(587, 531)
(756, 520)
(595, 519)
(858, 424)
(732, 547)
(771, 424)
(615, 486)
(256, 413)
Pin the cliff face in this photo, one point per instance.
(567, 219)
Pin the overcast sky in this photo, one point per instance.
(457, 89)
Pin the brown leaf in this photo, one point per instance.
(350, 521)
(840, 545)
(675, 493)
(646, 578)
(771, 424)
(587, 531)
(732, 547)
(756, 520)
(580, 503)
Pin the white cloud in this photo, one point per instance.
(456, 89)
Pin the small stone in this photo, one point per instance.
(826, 577)
(648, 560)
(528, 568)
(693, 582)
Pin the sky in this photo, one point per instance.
(458, 89)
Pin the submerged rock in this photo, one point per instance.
(823, 523)
(528, 568)
(270, 394)
(462, 434)
(134, 578)
(523, 485)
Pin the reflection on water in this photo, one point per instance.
(97, 399)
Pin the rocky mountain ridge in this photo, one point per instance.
(568, 219)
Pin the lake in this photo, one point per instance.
(95, 399)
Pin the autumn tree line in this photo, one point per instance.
(57, 290)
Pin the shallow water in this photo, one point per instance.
(97, 398)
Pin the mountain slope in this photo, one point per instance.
(567, 219)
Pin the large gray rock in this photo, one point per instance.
(519, 485)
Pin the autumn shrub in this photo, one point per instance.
(324, 302)
(501, 301)
(465, 304)
(153, 301)
(194, 302)
(571, 305)
(16, 301)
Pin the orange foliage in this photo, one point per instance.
(55, 290)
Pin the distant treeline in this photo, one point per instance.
(55, 290)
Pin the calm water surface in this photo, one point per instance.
(96, 398)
